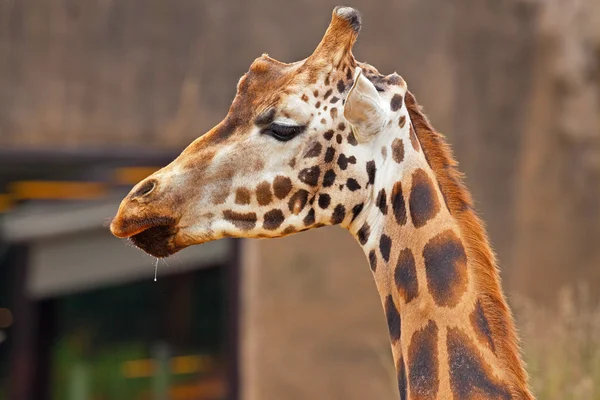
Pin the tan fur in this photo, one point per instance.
(439, 156)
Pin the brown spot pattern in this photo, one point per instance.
(282, 186)
(381, 202)
(393, 319)
(241, 221)
(273, 219)
(263, 193)
(398, 150)
(373, 260)
(298, 201)
(329, 154)
(363, 234)
(242, 196)
(339, 213)
(423, 364)
(481, 326)
(314, 151)
(470, 377)
(396, 102)
(445, 268)
(310, 176)
(398, 205)
(423, 203)
(405, 276)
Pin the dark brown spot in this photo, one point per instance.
(314, 151)
(316, 93)
(341, 126)
(394, 79)
(334, 100)
(338, 138)
(318, 104)
(405, 275)
(289, 230)
(385, 246)
(352, 139)
(327, 80)
(241, 221)
(333, 112)
(328, 178)
(242, 196)
(398, 205)
(339, 213)
(398, 150)
(396, 102)
(292, 162)
(371, 170)
(329, 134)
(381, 202)
(352, 184)
(363, 234)
(401, 378)
(282, 186)
(273, 219)
(445, 268)
(470, 377)
(298, 201)
(413, 139)
(356, 210)
(329, 154)
(481, 326)
(393, 319)
(304, 98)
(373, 260)
(323, 121)
(402, 121)
(310, 176)
(423, 365)
(341, 86)
(263, 193)
(348, 73)
(343, 161)
(310, 217)
(324, 200)
(423, 203)
(327, 94)
(324, 108)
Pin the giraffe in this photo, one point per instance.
(330, 141)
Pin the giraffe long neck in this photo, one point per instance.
(451, 331)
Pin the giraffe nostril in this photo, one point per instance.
(145, 189)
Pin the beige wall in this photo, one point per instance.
(313, 324)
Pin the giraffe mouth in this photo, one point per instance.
(158, 241)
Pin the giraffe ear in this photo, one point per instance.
(362, 108)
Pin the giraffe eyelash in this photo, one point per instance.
(283, 133)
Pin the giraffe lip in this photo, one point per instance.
(130, 227)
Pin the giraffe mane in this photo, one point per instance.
(481, 257)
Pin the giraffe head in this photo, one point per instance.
(297, 150)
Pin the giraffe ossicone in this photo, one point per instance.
(330, 141)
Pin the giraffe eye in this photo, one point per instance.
(283, 133)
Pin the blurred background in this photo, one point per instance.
(97, 94)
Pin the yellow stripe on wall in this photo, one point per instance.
(5, 202)
(132, 175)
(57, 190)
